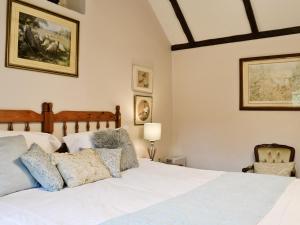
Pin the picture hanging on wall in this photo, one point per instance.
(142, 79)
(142, 109)
(40, 40)
(270, 83)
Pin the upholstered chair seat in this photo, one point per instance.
(273, 159)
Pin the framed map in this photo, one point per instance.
(270, 83)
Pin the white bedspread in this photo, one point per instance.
(138, 188)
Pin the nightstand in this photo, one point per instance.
(176, 160)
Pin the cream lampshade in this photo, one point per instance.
(152, 133)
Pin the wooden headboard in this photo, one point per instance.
(47, 118)
(11, 117)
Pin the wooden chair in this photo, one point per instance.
(272, 153)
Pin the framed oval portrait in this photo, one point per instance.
(142, 109)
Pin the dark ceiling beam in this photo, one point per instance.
(251, 16)
(182, 21)
(238, 38)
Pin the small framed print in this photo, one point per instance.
(142, 79)
(142, 109)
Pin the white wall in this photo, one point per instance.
(114, 34)
(208, 126)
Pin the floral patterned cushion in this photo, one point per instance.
(39, 164)
(81, 167)
(281, 169)
(118, 138)
(111, 159)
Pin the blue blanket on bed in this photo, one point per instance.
(231, 199)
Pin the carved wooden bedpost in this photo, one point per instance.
(118, 117)
(47, 125)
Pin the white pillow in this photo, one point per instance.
(48, 142)
(77, 141)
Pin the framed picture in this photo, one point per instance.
(142, 109)
(270, 83)
(142, 80)
(40, 40)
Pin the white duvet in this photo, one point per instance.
(151, 183)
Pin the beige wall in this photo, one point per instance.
(208, 126)
(114, 34)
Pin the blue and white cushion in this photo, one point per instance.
(111, 159)
(39, 163)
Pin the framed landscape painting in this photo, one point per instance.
(142, 109)
(142, 80)
(40, 40)
(270, 83)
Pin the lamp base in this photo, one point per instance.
(152, 151)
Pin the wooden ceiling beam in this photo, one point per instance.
(238, 38)
(251, 16)
(182, 21)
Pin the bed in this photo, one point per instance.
(152, 194)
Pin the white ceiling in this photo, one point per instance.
(276, 14)
(167, 18)
(209, 19)
(206, 18)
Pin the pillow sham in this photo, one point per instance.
(48, 142)
(111, 159)
(118, 138)
(80, 168)
(281, 169)
(76, 142)
(40, 165)
(13, 174)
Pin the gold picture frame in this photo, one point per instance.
(143, 107)
(270, 82)
(142, 79)
(41, 40)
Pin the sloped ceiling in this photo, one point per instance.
(197, 23)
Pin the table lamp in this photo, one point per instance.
(152, 133)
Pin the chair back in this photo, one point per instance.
(274, 153)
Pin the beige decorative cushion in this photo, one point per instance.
(281, 169)
(80, 168)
